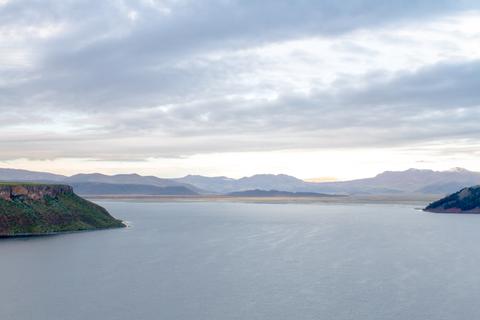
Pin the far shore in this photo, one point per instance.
(414, 199)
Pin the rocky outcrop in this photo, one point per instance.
(466, 200)
(32, 191)
(33, 209)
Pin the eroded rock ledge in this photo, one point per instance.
(32, 191)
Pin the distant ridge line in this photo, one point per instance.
(410, 181)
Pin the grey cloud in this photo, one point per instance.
(103, 60)
(144, 85)
(432, 105)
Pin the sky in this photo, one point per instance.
(325, 88)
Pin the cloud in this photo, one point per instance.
(431, 105)
(140, 79)
(97, 57)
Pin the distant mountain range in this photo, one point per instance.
(100, 184)
(25, 175)
(222, 185)
(389, 182)
(408, 181)
(412, 181)
(95, 188)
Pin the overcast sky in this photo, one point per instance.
(222, 87)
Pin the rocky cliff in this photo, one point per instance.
(28, 209)
(31, 191)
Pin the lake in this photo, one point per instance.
(218, 260)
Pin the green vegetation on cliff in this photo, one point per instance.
(41, 208)
(466, 200)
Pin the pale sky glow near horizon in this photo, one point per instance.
(234, 88)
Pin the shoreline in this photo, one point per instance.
(56, 233)
(450, 211)
(334, 199)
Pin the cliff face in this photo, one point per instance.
(29, 209)
(466, 200)
(32, 191)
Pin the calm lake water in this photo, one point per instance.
(249, 261)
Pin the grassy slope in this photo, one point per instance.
(67, 212)
(470, 200)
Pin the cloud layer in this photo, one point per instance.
(132, 80)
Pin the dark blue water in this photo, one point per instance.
(249, 261)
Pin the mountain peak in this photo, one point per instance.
(417, 170)
(273, 178)
(458, 169)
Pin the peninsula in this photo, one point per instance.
(466, 200)
(34, 209)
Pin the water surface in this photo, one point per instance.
(249, 261)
